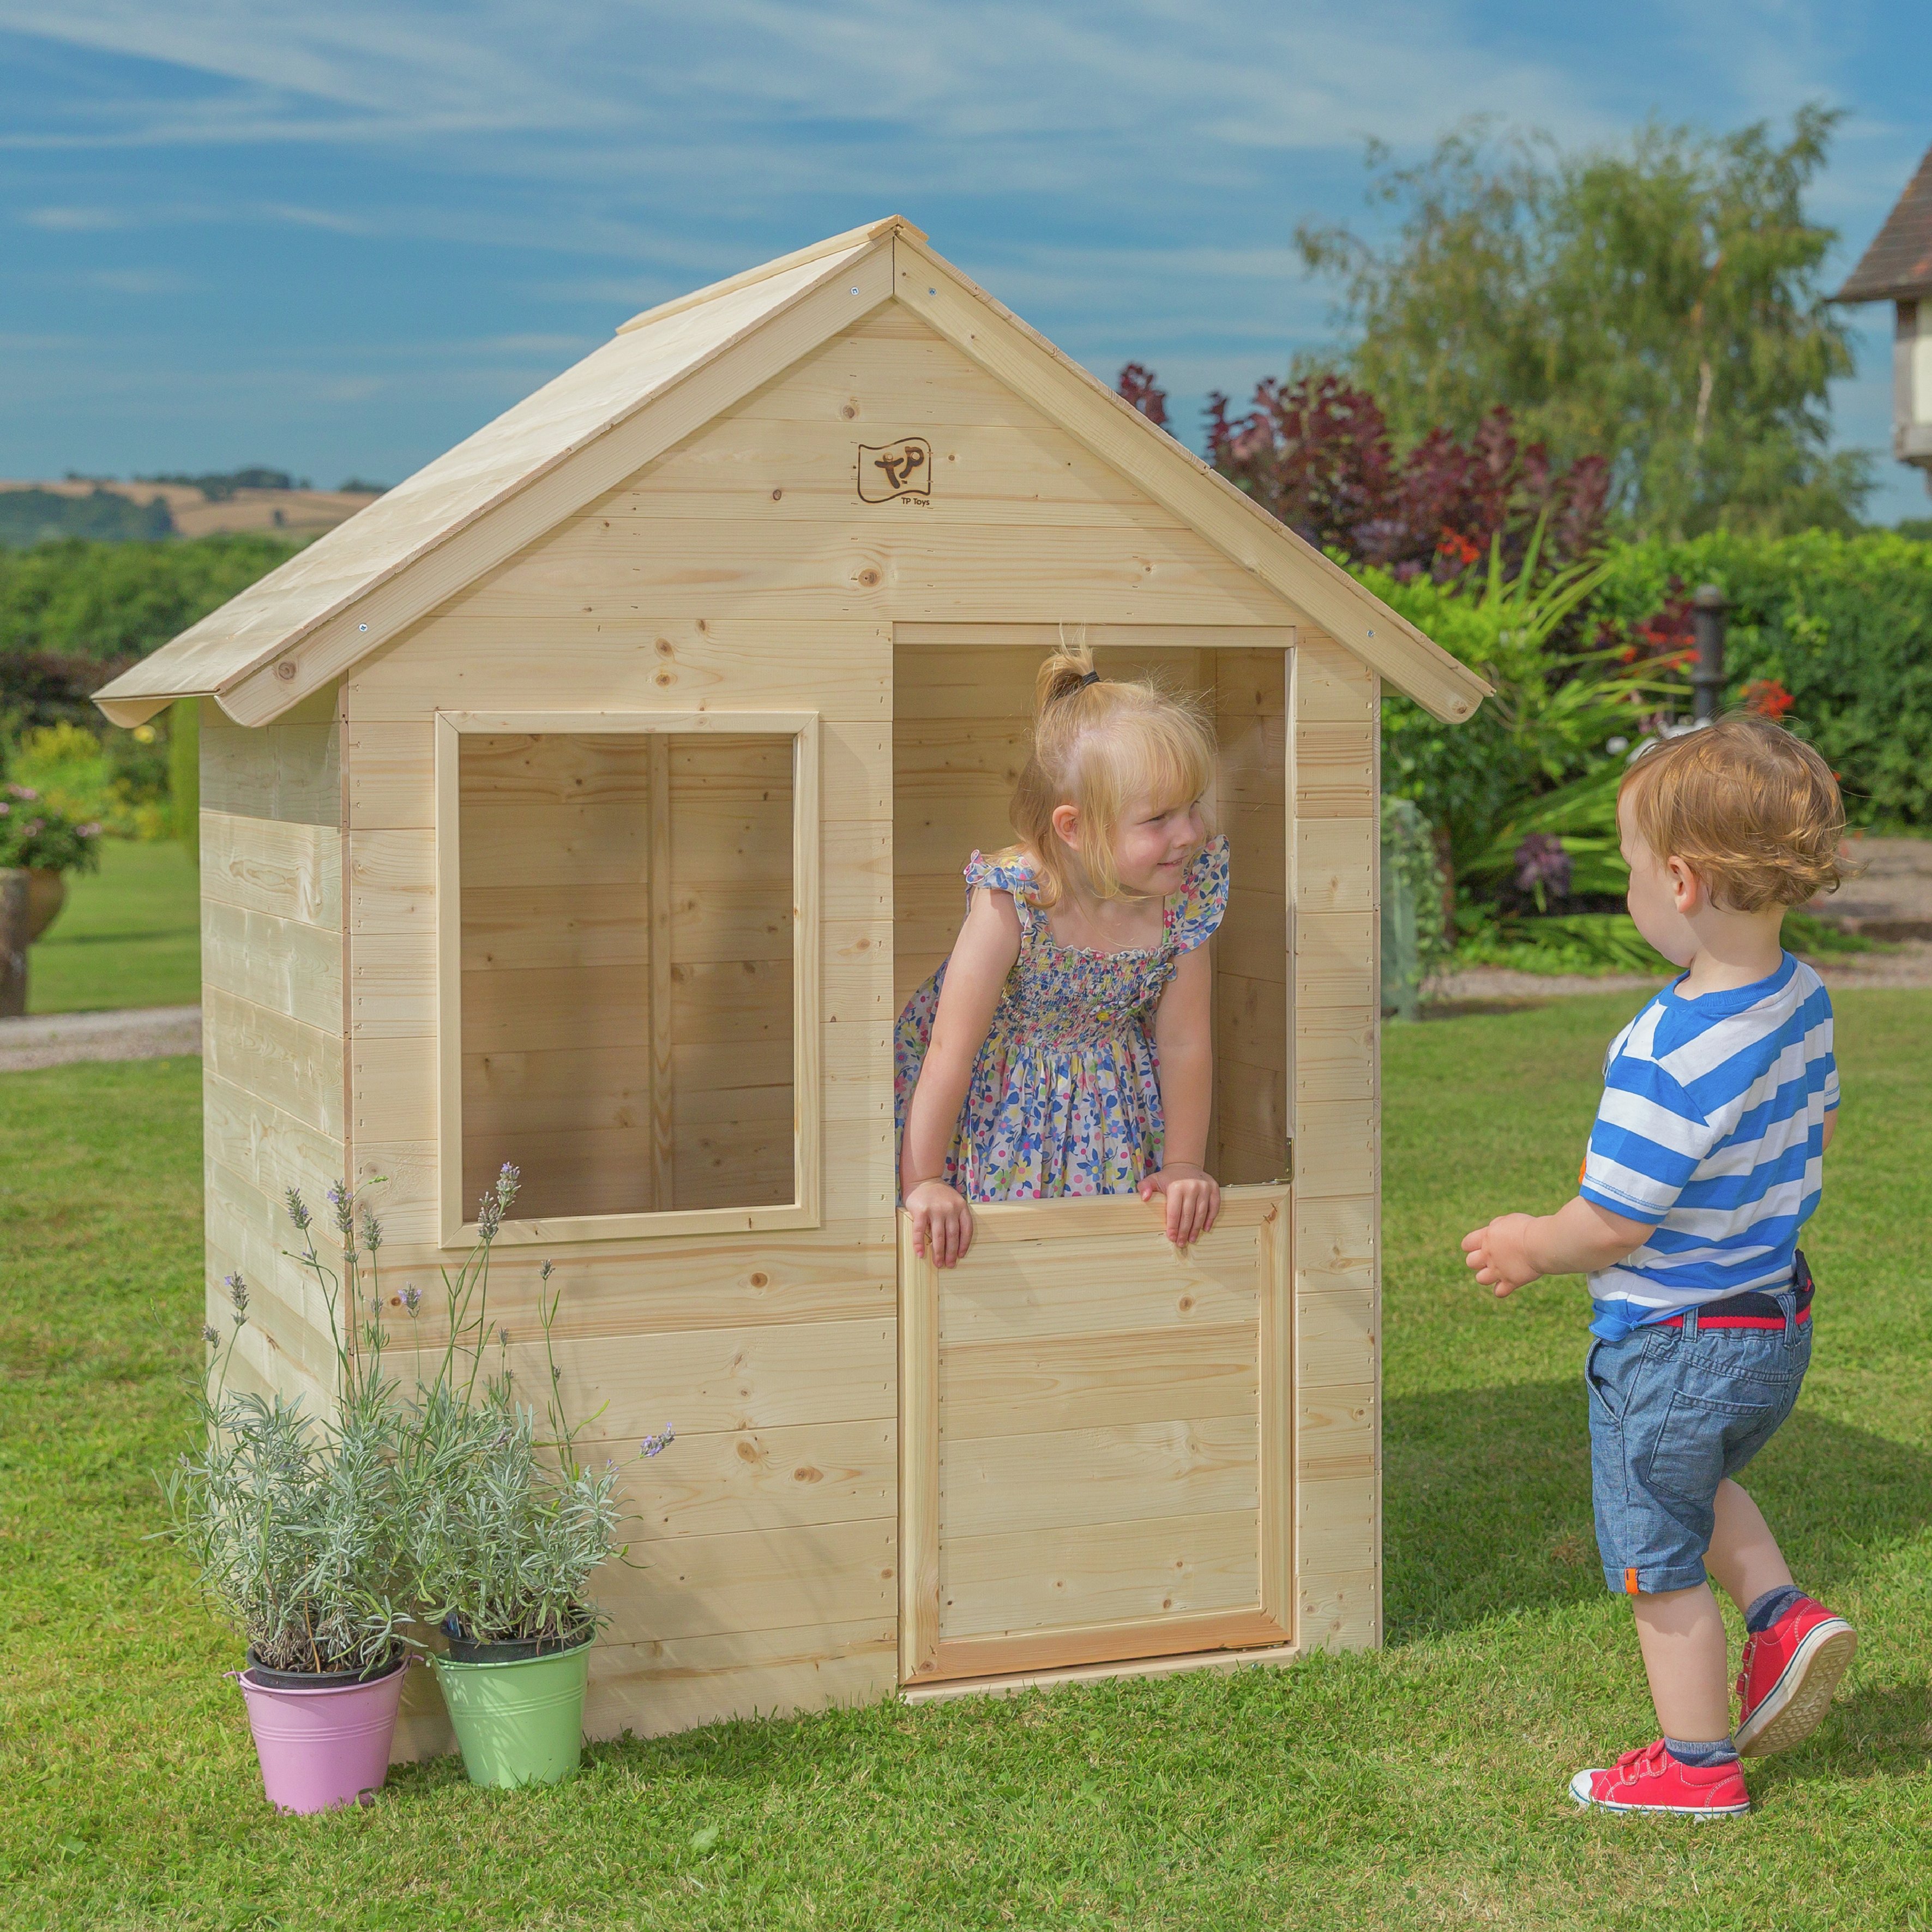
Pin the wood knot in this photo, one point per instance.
(776, 494)
(761, 1279)
(286, 670)
(848, 410)
(869, 578)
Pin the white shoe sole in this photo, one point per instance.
(1795, 1704)
(1579, 1789)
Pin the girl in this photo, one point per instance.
(1064, 1048)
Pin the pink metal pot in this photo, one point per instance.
(323, 1747)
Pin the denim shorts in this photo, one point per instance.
(1673, 1412)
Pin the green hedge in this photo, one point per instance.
(72, 614)
(1844, 623)
(110, 601)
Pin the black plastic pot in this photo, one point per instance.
(467, 1650)
(321, 1680)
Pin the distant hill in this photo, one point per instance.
(109, 510)
(30, 515)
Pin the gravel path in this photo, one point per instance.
(143, 1033)
(1890, 900)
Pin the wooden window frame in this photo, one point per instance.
(804, 1209)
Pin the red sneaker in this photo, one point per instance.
(1790, 1672)
(1653, 1780)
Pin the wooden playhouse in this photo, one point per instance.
(593, 800)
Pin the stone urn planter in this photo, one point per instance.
(46, 893)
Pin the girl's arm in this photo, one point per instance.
(1184, 1038)
(976, 974)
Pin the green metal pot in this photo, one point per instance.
(519, 1721)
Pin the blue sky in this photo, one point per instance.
(335, 237)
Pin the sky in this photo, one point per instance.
(336, 238)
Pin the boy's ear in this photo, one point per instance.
(1686, 888)
(1066, 824)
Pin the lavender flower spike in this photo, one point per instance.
(655, 1445)
(297, 1210)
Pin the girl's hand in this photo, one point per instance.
(1499, 1254)
(1193, 1200)
(942, 1223)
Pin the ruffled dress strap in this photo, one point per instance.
(1011, 875)
(1202, 900)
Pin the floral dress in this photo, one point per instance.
(1065, 1093)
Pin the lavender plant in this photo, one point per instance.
(292, 1519)
(506, 1525)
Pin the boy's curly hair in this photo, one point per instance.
(1753, 811)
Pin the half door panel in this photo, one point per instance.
(1096, 1453)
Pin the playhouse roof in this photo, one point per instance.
(665, 373)
(1898, 264)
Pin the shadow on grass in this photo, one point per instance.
(1487, 1502)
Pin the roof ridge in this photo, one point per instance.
(853, 238)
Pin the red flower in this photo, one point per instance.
(1768, 697)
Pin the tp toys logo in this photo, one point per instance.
(895, 469)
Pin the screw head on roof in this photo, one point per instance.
(361, 627)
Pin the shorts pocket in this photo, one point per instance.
(1603, 1393)
(1694, 1443)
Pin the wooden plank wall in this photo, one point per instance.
(272, 1073)
(1334, 778)
(741, 569)
(627, 970)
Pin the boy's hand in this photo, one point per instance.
(942, 1223)
(1499, 1252)
(1193, 1200)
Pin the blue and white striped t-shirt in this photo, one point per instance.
(1712, 1131)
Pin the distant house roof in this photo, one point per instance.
(1898, 264)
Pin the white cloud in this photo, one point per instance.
(1009, 80)
(1126, 173)
(74, 221)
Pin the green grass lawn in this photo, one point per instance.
(129, 935)
(1421, 1786)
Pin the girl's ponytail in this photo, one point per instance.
(1064, 674)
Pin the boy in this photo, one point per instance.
(1704, 1161)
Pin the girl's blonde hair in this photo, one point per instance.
(1098, 745)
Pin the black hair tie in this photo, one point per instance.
(1092, 677)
